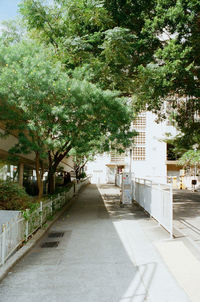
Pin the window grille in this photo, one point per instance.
(116, 156)
(140, 121)
(140, 139)
(139, 153)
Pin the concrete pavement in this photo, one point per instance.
(104, 254)
(186, 206)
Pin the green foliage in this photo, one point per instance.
(12, 31)
(173, 75)
(105, 46)
(190, 158)
(82, 175)
(13, 197)
(53, 112)
(177, 60)
(61, 189)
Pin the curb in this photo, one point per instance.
(36, 237)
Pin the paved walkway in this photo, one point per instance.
(187, 215)
(106, 254)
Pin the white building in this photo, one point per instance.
(148, 157)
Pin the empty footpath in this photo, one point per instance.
(99, 252)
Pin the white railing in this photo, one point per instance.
(156, 199)
(118, 180)
(15, 232)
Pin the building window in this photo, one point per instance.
(139, 153)
(140, 139)
(139, 150)
(116, 156)
(140, 121)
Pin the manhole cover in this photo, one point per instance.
(56, 234)
(50, 244)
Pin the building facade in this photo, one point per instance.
(146, 159)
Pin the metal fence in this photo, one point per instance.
(156, 199)
(15, 232)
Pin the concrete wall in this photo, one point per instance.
(98, 170)
(154, 166)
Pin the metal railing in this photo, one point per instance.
(156, 199)
(15, 232)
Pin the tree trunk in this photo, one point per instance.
(51, 182)
(40, 187)
(39, 175)
(77, 173)
(21, 173)
(54, 161)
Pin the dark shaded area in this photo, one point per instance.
(50, 244)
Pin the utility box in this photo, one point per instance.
(194, 182)
(126, 188)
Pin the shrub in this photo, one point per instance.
(13, 196)
(60, 189)
(82, 175)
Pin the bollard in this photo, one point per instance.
(181, 183)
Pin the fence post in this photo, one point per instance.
(171, 210)
(3, 246)
(41, 213)
(27, 225)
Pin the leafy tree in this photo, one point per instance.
(105, 46)
(146, 49)
(84, 153)
(12, 31)
(173, 75)
(29, 81)
(190, 158)
(51, 112)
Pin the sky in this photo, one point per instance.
(8, 9)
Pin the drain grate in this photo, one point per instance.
(50, 244)
(56, 234)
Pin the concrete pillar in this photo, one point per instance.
(21, 173)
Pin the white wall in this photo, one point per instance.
(154, 166)
(98, 169)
